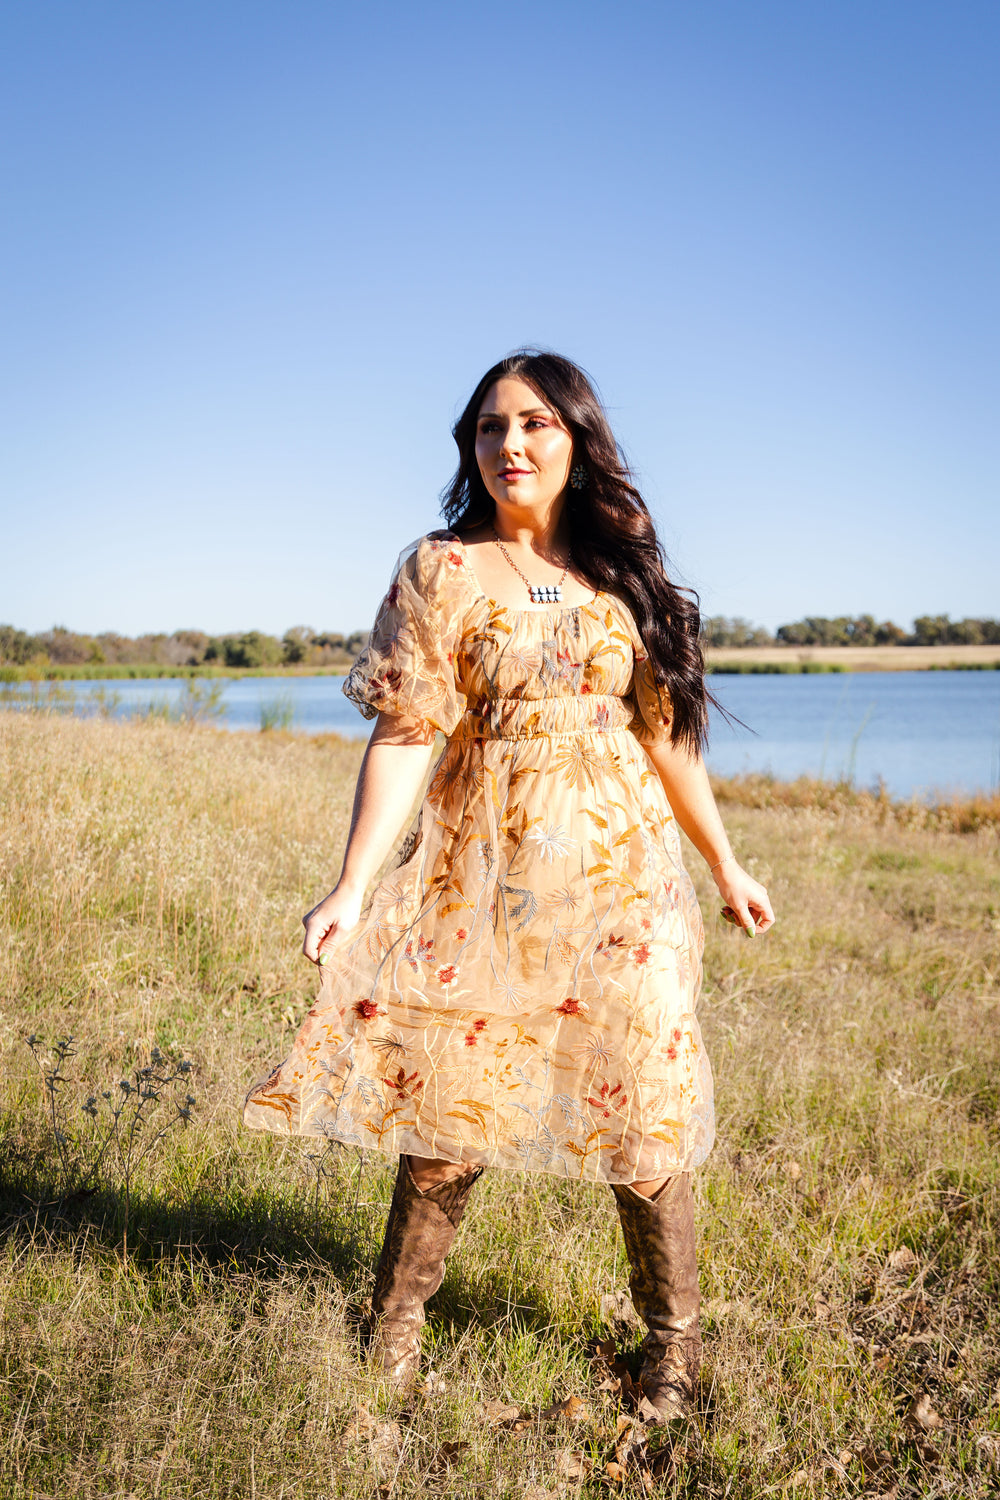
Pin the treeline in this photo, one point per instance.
(852, 630)
(303, 646)
(300, 646)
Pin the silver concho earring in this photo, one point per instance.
(578, 478)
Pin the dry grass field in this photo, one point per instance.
(858, 658)
(182, 1322)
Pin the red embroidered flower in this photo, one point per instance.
(609, 1099)
(471, 1039)
(571, 1007)
(366, 1009)
(455, 559)
(446, 975)
(672, 1052)
(461, 935)
(403, 1085)
(585, 687)
(612, 942)
(479, 1025)
(675, 1035)
(646, 924)
(641, 955)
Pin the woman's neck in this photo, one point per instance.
(542, 534)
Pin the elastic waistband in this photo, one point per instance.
(543, 718)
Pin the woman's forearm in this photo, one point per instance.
(685, 781)
(391, 776)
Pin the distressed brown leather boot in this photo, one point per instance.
(418, 1236)
(660, 1244)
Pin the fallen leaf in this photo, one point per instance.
(615, 1472)
(900, 1261)
(616, 1307)
(360, 1426)
(633, 1447)
(876, 1462)
(920, 1413)
(447, 1454)
(801, 1476)
(570, 1410)
(792, 1170)
(385, 1446)
(845, 1456)
(823, 1309)
(434, 1384)
(572, 1463)
(989, 1442)
(499, 1411)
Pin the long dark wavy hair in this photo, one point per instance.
(612, 535)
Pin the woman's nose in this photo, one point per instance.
(510, 443)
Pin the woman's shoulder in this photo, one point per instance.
(433, 564)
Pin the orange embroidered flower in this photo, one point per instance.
(672, 1052)
(479, 1025)
(675, 1035)
(471, 1039)
(641, 955)
(366, 1009)
(446, 975)
(461, 935)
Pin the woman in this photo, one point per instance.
(520, 991)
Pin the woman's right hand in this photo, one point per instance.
(333, 918)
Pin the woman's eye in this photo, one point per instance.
(535, 422)
(488, 427)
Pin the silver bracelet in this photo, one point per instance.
(712, 868)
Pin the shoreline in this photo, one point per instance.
(720, 660)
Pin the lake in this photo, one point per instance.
(922, 733)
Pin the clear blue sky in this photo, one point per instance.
(255, 255)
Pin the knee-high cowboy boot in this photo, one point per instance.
(418, 1236)
(659, 1241)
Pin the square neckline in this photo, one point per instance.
(511, 609)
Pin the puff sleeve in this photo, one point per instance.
(408, 667)
(654, 713)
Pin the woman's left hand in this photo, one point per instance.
(747, 903)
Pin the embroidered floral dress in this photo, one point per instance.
(521, 990)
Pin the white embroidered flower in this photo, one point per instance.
(595, 1049)
(551, 842)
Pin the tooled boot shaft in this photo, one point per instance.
(660, 1244)
(418, 1236)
